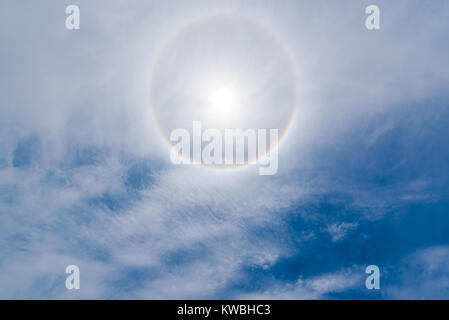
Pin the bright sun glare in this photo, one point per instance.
(223, 102)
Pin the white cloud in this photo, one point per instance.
(91, 89)
(339, 231)
(317, 287)
(423, 274)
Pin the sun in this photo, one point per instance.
(223, 102)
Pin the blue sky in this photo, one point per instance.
(363, 174)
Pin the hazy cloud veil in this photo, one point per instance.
(85, 178)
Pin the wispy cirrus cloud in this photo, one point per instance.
(85, 179)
